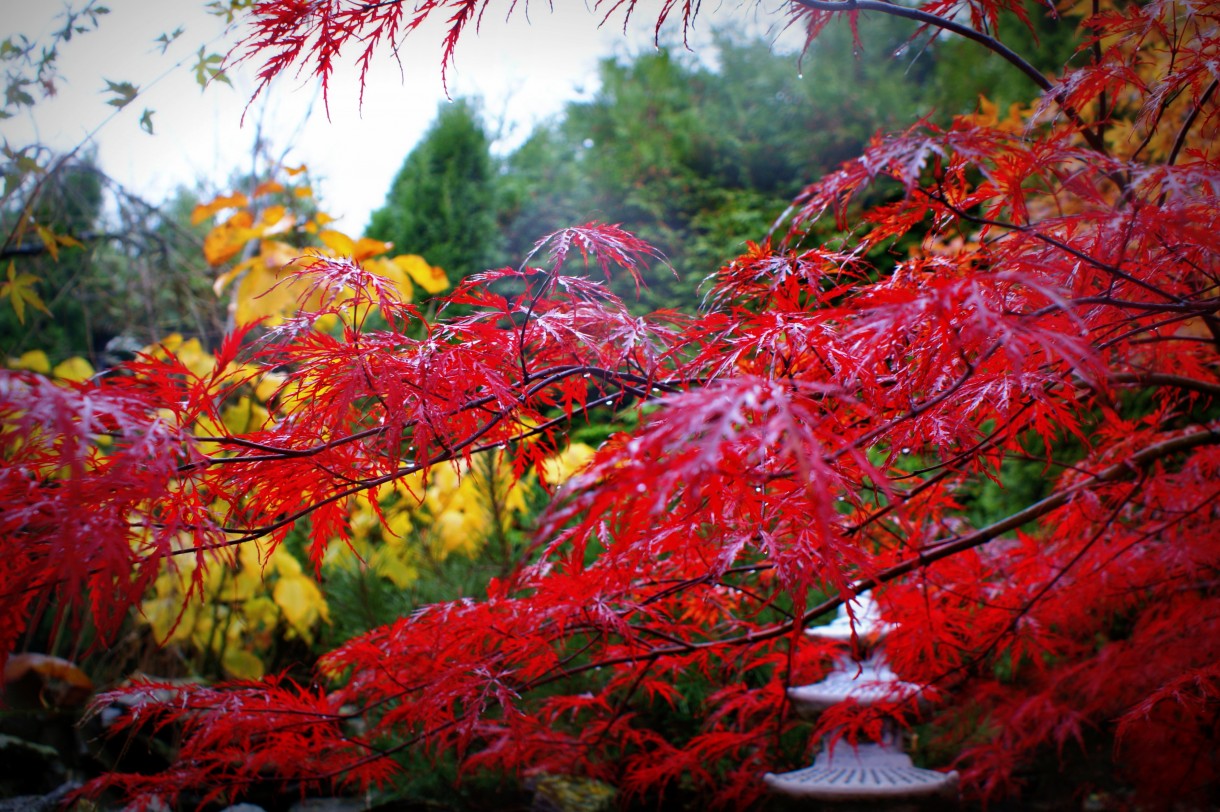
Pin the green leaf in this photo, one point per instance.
(146, 121)
(124, 93)
(165, 39)
(15, 94)
(207, 69)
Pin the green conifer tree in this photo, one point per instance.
(441, 204)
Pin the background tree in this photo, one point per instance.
(109, 264)
(673, 143)
(442, 202)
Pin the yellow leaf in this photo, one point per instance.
(399, 523)
(205, 210)
(363, 522)
(223, 280)
(245, 583)
(394, 569)
(258, 417)
(227, 240)
(293, 398)
(457, 532)
(73, 369)
(162, 614)
(326, 323)
(560, 467)
(302, 192)
(273, 215)
(270, 383)
(48, 240)
(367, 247)
(168, 345)
(293, 171)
(285, 563)
(34, 361)
(391, 271)
(19, 288)
(301, 602)
(428, 277)
(261, 613)
(201, 632)
(260, 294)
(268, 187)
(338, 242)
(241, 664)
(195, 358)
(236, 416)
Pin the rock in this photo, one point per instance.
(29, 768)
(329, 805)
(565, 793)
(39, 803)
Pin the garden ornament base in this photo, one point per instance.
(867, 771)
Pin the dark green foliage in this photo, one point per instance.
(964, 70)
(699, 158)
(138, 274)
(441, 202)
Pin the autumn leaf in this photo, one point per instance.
(19, 288)
(203, 211)
(429, 277)
(73, 369)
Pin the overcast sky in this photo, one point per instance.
(524, 69)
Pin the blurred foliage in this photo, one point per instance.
(262, 238)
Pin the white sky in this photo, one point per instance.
(524, 69)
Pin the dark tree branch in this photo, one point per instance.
(989, 42)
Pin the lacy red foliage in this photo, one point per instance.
(1042, 292)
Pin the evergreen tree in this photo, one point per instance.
(441, 203)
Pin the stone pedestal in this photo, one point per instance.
(871, 775)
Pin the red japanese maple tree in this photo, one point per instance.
(824, 426)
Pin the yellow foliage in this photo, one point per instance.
(228, 614)
(244, 416)
(1014, 121)
(338, 242)
(19, 289)
(236, 608)
(73, 369)
(205, 210)
(428, 277)
(242, 664)
(302, 603)
(268, 187)
(34, 361)
(264, 283)
(227, 240)
(560, 467)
